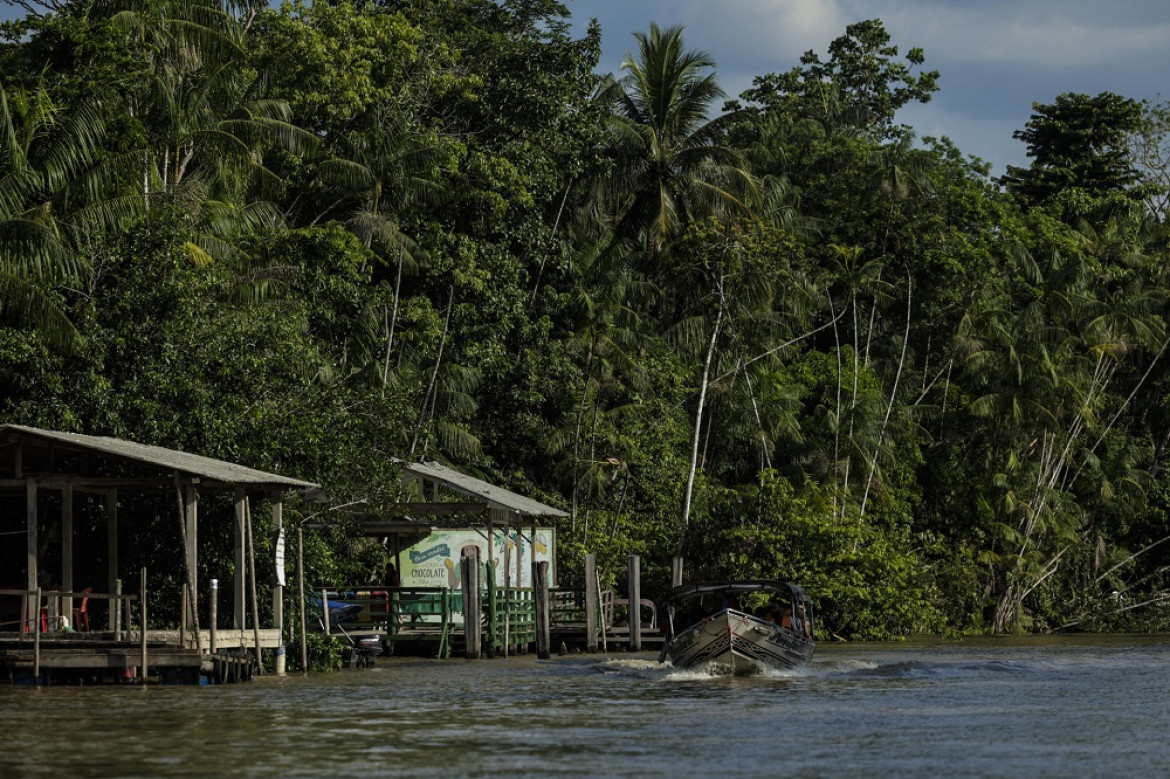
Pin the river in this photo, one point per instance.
(1030, 706)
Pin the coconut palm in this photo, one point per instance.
(671, 164)
(43, 151)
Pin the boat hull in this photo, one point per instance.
(732, 642)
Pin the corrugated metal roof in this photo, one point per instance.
(494, 496)
(194, 464)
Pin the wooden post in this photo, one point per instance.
(634, 588)
(493, 607)
(142, 615)
(676, 571)
(604, 622)
(213, 613)
(184, 606)
(239, 586)
(507, 593)
(278, 587)
(301, 599)
(112, 558)
(34, 601)
(116, 611)
(325, 611)
(67, 550)
(37, 640)
(469, 576)
(191, 515)
(252, 579)
(128, 620)
(543, 615)
(591, 603)
(519, 552)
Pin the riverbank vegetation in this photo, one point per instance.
(778, 333)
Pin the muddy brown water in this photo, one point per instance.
(1035, 706)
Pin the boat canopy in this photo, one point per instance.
(686, 592)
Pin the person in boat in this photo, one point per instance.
(786, 618)
(802, 623)
(729, 601)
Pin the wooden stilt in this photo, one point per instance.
(471, 603)
(213, 613)
(252, 578)
(592, 603)
(37, 640)
(142, 614)
(301, 599)
(543, 615)
(634, 586)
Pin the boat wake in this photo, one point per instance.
(651, 669)
(915, 669)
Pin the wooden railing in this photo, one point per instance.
(51, 616)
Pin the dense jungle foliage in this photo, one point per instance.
(779, 334)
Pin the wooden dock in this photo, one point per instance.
(37, 651)
(80, 659)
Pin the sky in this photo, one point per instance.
(995, 57)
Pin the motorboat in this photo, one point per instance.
(738, 627)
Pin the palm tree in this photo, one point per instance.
(43, 151)
(671, 164)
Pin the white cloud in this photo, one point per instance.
(1026, 37)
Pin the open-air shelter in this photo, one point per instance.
(437, 498)
(36, 464)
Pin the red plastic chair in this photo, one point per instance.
(80, 613)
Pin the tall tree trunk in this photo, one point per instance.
(391, 324)
(890, 406)
(686, 514)
(427, 397)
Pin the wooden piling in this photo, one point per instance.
(634, 585)
(592, 603)
(493, 609)
(184, 608)
(142, 615)
(252, 580)
(213, 612)
(278, 587)
(116, 611)
(301, 599)
(469, 576)
(543, 614)
(128, 617)
(36, 627)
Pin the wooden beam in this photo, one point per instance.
(58, 481)
(428, 509)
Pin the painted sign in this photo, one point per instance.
(279, 553)
(434, 561)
